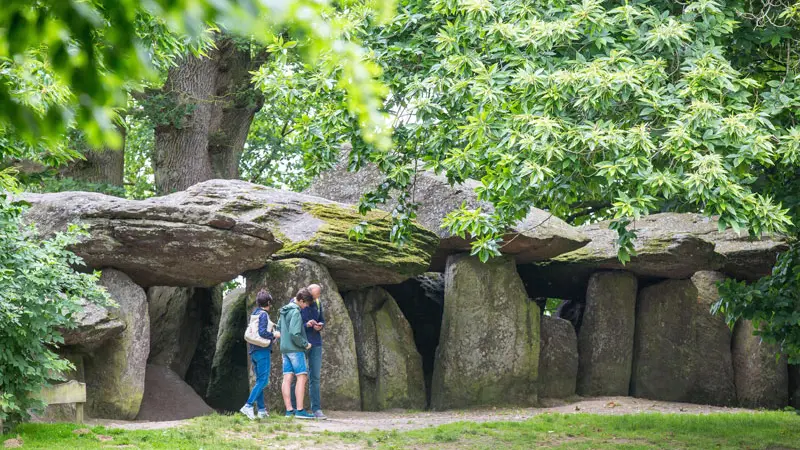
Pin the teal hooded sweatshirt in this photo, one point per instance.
(293, 333)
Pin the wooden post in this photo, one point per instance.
(78, 412)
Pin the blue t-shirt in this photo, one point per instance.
(313, 312)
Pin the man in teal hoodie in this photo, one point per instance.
(294, 344)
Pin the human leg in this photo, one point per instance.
(314, 368)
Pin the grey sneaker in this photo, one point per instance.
(262, 414)
(247, 410)
(319, 415)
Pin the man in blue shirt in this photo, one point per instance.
(314, 321)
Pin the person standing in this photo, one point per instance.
(314, 322)
(294, 346)
(261, 357)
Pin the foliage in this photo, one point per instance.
(54, 184)
(772, 303)
(39, 294)
(589, 109)
(583, 431)
(89, 54)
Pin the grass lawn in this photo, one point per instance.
(763, 430)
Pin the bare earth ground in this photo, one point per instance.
(340, 421)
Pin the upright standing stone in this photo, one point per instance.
(489, 346)
(175, 321)
(115, 372)
(390, 368)
(713, 362)
(228, 385)
(339, 387)
(761, 381)
(558, 360)
(605, 340)
(664, 344)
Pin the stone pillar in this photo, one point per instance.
(761, 380)
(389, 366)
(605, 340)
(489, 344)
(558, 360)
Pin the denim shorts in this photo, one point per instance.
(295, 363)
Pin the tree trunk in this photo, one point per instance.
(203, 114)
(103, 166)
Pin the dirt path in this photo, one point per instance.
(340, 421)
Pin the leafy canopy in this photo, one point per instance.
(72, 63)
(589, 109)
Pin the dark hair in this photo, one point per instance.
(304, 296)
(263, 299)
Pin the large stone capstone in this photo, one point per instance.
(155, 242)
(668, 245)
(558, 359)
(115, 372)
(339, 386)
(317, 229)
(489, 346)
(605, 339)
(389, 366)
(761, 380)
(228, 383)
(538, 237)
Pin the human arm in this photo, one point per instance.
(263, 327)
(296, 331)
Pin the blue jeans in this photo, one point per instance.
(314, 366)
(261, 365)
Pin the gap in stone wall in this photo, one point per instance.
(421, 299)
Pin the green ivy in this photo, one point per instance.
(39, 295)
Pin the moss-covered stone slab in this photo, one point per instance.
(606, 336)
(390, 367)
(489, 346)
(538, 237)
(668, 245)
(558, 360)
(762, 381)
(154, 241)
(339, 385)
(317, 229)
(115, 372)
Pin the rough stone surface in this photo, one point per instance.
(421, 299)
(228, 386)
(794, 386)
(605, 340)
(156, 243)
(115, 372)
(713, 362)
(489, 346)
(199, 374)
(668, 245)
(168, 397)
(317, 229)
(761, 381)
(390, 368)
(665, 338)
(558, 359)
(339, 386)
(538, 237)
(175, 321)
(95, 326)
(66, 412)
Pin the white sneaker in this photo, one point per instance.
(262, 414)
(247, 410)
